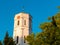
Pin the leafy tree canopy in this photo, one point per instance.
(50, 34)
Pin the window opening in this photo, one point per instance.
(17, 39)
(18, 22)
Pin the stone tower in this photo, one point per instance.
(22, 28)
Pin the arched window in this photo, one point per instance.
(17, 39)
(24, 40)
(18, 22)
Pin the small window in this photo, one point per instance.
(24, 22)
(18, 22)
(24, 40)
(17, 39)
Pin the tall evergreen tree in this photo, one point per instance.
(6, 39)
(11, 42)
(0, 43)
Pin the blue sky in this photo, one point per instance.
(40, 10)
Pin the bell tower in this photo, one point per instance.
(22, 28)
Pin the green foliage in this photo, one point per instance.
(0, 43)
(58, 7)
(11, 42)
(51, 31)
(7, 40)
(50, 34)
(49, 18)
(30, 39)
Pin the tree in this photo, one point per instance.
(0, 43)
(50, 34)
(11, 42)
(31, 39)
(51, 30)
(8, 40)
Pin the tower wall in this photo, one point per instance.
(22, 28)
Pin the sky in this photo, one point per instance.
(40, 10)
